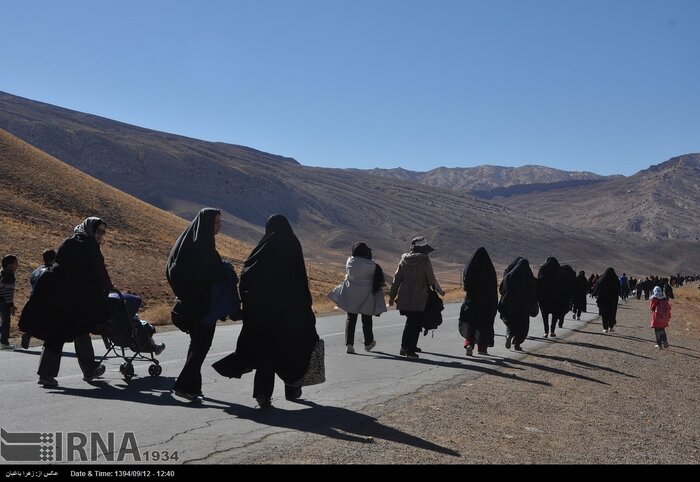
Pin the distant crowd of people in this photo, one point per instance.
(69, 300)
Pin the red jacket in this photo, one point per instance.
(660, 312)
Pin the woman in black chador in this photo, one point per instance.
(518, 302)
(194, 269)
(70, 301)
(549, 293)
(607, 292)
(279, 326)
(580, 290)
(480, 303)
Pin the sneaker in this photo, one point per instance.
(545, 335)
(657, 346)
(483, 352)
(25, 341)
(97, 373)
(264, 402)
(605, 330)
(409, 354)
(417, 350)
(470, 350)
(47, 381)
(350, 349)
(665, 344)
(611, 330)
(508, 341)
(189, 396)
(371, 345)
(159, 349)
(552, 335)
(6, 346)
(518, 348)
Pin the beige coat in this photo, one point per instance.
(411, 281)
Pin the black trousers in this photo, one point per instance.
(350, 325)
(608, 314)
(50, 361)
(190, 378)
(660, 336)
(411, 331)
(545, 322)
(264, 383)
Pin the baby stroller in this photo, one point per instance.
(126, 330)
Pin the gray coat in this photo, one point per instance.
(411, 281)
(354, 295)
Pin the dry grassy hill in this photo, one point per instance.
(43, 199)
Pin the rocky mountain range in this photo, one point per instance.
(491, 181)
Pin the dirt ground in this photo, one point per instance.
(589, 398)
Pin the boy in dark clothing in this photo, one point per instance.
(48, 256)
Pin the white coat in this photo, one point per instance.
(354, 295)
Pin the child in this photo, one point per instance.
(7, 295)
(660, 316)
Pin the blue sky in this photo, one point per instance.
(608, 86)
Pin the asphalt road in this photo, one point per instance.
(229, 426)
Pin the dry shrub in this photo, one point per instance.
(686, 310)
(157, 315)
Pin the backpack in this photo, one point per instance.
(432, 315)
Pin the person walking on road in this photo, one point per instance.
(660, 316)
(360, 293)
(480, 304)
(412, 280)
(194, 269)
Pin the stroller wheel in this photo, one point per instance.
(155, 370)
(127, 369)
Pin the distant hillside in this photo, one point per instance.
(328, 208)
(660, 204)
(490, 181)
(43, 199)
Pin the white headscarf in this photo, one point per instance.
(658, 293)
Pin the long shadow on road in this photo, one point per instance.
(333, 422)
(150, 390)
(506, 363)
(454, 364)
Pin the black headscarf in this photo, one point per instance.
(361, 250)
(279, 326)
(194, 264)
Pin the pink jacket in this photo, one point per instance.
(660, 312)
